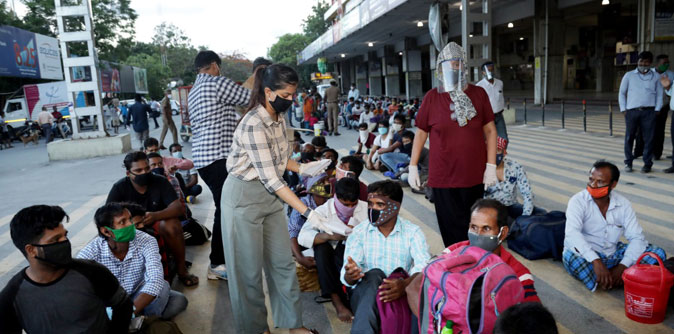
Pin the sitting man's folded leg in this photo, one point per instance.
(364, 303)
(172, 232)
(167, 304)
(328, 263)
(579, 268)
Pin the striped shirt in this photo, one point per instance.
(405, 248)
(213, 117)
(260, 149)
(523, 274)
(141, 269)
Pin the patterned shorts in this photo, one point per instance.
(579, 268)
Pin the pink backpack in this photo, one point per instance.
(469, 286)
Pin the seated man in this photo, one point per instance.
(365, 139)
(56, 294)
(487, 229)
(394, 161)
(318, 193)
(596, 218)
(387, 245)
(331, 154)
(151, 145)
(133, 257)
(352, 166)
(343, 209)
(189, 178)
(158, 197)
(393, 154)
(319, 144)
(511, 178)
(157, 168)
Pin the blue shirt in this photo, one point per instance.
(405, 248)
(640, 90)
(296, 221)
(588, 232)
(139, 112)
(141, 269)
(506, 190)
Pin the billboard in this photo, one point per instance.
(29, 55)
(110, 77)
(140, 80)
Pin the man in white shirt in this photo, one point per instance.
(354, 92)
(494, 89)
(596, 219)
(344, 211)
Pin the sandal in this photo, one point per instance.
(189, 280)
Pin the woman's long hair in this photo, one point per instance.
(274, 77)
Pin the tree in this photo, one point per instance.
(236, 66)
(158, 76)
(315, 25)
(114, 22)
(170, 36)
(178, 50)
(287, 47)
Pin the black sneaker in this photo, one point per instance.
(646, 169)
(669, 170)
(628, 169)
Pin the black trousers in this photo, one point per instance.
(643, 118)
(364, 303)
(215, 175)
(329, 263)
(452, 207)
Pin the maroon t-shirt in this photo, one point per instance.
(370, 140)
(458, 155)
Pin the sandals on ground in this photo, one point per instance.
(189, 280)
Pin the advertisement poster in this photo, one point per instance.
(29, 55)
(140, 80)
(18, 54)
(664, 20)
(110, 78)
(49, 57)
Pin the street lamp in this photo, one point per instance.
(342, 55)
(521, 38)
(400, 53)
(420, 24)
(605, 2)
(370, 44)
(511, 25)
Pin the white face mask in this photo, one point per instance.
(363, 136)
(396, 127)
(488, 74)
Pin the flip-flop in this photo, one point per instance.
(189, 280)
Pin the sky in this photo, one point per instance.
(247, 26)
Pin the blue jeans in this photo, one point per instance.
(392, 159)
(167, 305)
(643, 118)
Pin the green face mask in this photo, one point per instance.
(124, 234)
(663, 67)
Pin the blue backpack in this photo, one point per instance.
(538, 237)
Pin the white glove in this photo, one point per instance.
(319, 222)
(489, 179)
(314, 168)
(413, 177)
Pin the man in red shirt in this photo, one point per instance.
(458, 118)
(487, 229)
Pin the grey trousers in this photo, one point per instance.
(255, 237)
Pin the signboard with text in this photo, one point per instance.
(29, 55)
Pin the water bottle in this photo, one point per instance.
(448, 328)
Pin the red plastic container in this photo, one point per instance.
(647, 291)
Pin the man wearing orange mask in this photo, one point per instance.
(596, 219)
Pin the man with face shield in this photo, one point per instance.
(379, 255)
(494, 88)
(56, 293)
(596, 219)
(459, 120)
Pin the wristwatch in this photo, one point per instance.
(306, 213)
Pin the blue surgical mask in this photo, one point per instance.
(177, 154)
(382, 131)
(499, 158)
(296, 156)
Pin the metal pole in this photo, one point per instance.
(584, 117)
(543, 114)
(508, 104)
(610, 118)
(563, 127)
(525, 110)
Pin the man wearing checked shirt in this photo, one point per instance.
(387, 246)
(212, 101)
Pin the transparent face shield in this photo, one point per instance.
(452, 75)
(488, 74)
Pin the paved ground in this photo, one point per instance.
(556, 162)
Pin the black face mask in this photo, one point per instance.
(280, 104)
(157, 171)
(58, 254)
(332, 165)
(374, 214)
(407, 147)
(306, 157)
(142, 179)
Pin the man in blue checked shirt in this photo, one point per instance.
(596, 219)
(380, 255)
(133, 258)
(212, 101)
(640, 100)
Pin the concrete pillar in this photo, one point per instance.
(476, 35)
(375, 75)
(434, 58)
(412, 69)
(391, 73)
(555, 52)
(361, 77)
